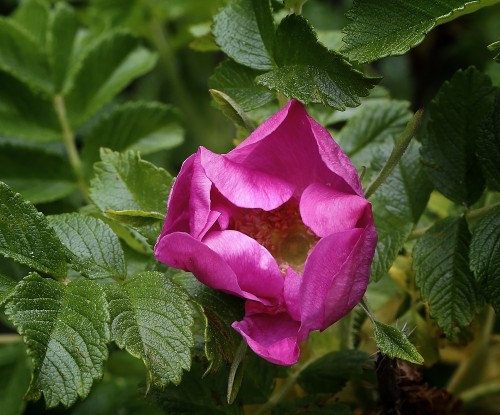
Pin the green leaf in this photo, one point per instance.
(495, 48)
(62, 33)
(26, 237)
(25, 114)
(136, 218)
(22, 57)
(33, 15)
(488, 144)
(232, 110)
(393, 342)
(38, 184)
(310, 72)
(125, 182)
(151, 319)
(65, 328)
(441, 262)
(485, 256)
(108, 67)
(393, 27)
(330, 373)
(448, 148)
(143, 126)
(220, 311)
(244, 30)
(7, 286)
(94, 250)
(238, 82)
(15, 373)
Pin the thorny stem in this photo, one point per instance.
(470, 370)
(397, 153)
(69, 143)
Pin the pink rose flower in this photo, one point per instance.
(281, 221)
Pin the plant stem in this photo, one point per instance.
(9, 338)
(397, 153)
(480, 391)
(69, 143)
(470, 370)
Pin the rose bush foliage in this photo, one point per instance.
(280, 221)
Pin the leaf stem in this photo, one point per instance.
(397, 153)
(367, 309)
(9, 338)
(69, 143)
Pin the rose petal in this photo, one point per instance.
(255, 268)
(325, 210)
(180, 250)
(293, 282)
(273, 337)
(335, 276)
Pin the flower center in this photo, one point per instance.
(281, 231)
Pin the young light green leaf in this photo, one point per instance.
(393, 342)
(448, 148)
(62, 32)
(125, 182)
(33, 16)
(38, 184)
(26, 114)
(238, 82)
(232, 110)
(108, 67)
(22, 57)
(310, 72)
(151, 318)
(136, 218)
(488, 144)
(330, 373)
(495, 48)
(441, 262)
(7, 286)
(244, 30)
(400, 25)
(65, 328)
(15, 373)
(485, 256)
(94, 250)
(26, 237)
(220, 311)
(143, 126)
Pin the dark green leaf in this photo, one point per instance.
(310, 72)
(15, 373)
(22, 57)
(33, 15)
(125, 182)
(63, 28)
(488, 144)
(141, 126)
(151, 319)
(330, 373)
(495, 48)
(485, 256)
(38, 183)
(26, 237)
(220, 311)
(393, 27)
(136, 218)
(309, 405)
(7, 286)
(108, 67)
(244, 30)
(448, 148)
(393, 342)
(441, 262)
(238, 82)
(94, 250)
(65, 328)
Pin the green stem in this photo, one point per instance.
(282, 99)
(69, 143)
(470, 370)
(367, 309)
(9, 338)
(397, 153)
(480, 391)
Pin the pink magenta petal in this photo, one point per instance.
(255, 268)
(243, 186)
(274, 337)
(182, 251)
(335, 276)
(293, 282)
(291, 146)
(325, 210)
